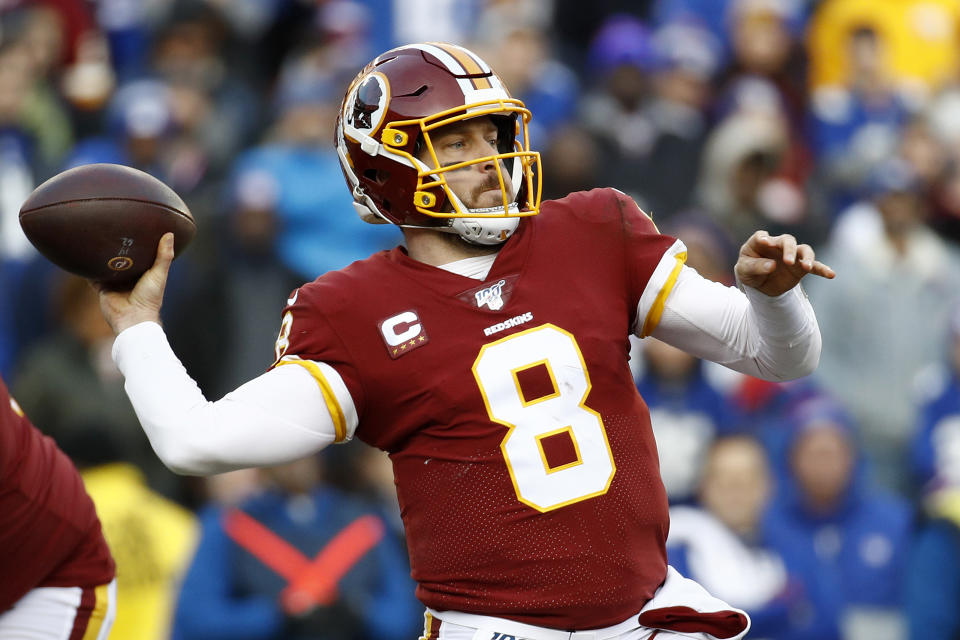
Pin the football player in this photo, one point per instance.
(56, 572)
(488, 356)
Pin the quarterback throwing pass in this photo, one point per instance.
(489, 357)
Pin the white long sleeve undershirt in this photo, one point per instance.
(282, 414)
(773, 338)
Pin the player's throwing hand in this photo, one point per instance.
(124, 309)
(775, 264)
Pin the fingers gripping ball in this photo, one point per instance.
(103, 222)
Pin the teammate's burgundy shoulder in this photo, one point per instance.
(49, 531)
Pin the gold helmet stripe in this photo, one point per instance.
(469, 64)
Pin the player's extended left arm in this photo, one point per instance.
(767, 330)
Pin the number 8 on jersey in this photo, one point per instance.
(532, 421)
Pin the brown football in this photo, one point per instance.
(103, 221)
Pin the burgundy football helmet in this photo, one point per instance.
(385, 122)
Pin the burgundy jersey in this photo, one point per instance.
(525, 464)
(49, 532)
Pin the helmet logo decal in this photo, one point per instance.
(366, 107)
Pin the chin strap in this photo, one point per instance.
(484, 231)
(476, 231)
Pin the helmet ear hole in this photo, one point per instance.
(506, 132)
(377, 175)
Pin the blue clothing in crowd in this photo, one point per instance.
(743, 572)
(319, 228)
(851, 558)
(686, 416)
(228, 593)
(933, 579)
(938, 433)
(933, 583)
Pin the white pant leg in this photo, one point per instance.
(50, 613)
(451, 631)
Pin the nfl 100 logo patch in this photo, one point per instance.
(492, 296)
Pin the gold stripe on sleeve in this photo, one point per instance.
(333, 405)
(98, 616)
(656, 309)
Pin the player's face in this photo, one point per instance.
(477, 185)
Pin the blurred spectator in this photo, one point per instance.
(649, 109)
(67, 381)
(241, 261)
(32, 132)
(210, 103)
(763, 36)
(933, 573)
(738, 184)
(88, 84)
(921, 41)
(17, 179)
(523, 59)
(427, 20)
(74, 22)
(621, 58)
(368, 473)
(299, 177)
(687, 413)
(139, 117)
(762, 408)
(844, 538)
(299, 560)
(157, 128)
(942, 128)
(721, 545)
(710, 248)
(766, 81)
(36, 32)
(936, 443)
(151, 537)
(856, 120)
(575, 25)
(712, 16)
(571, 162)
(899, 284)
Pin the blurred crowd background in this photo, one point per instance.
(828, 507)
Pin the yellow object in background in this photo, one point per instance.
(152, 540)
(921, 39)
